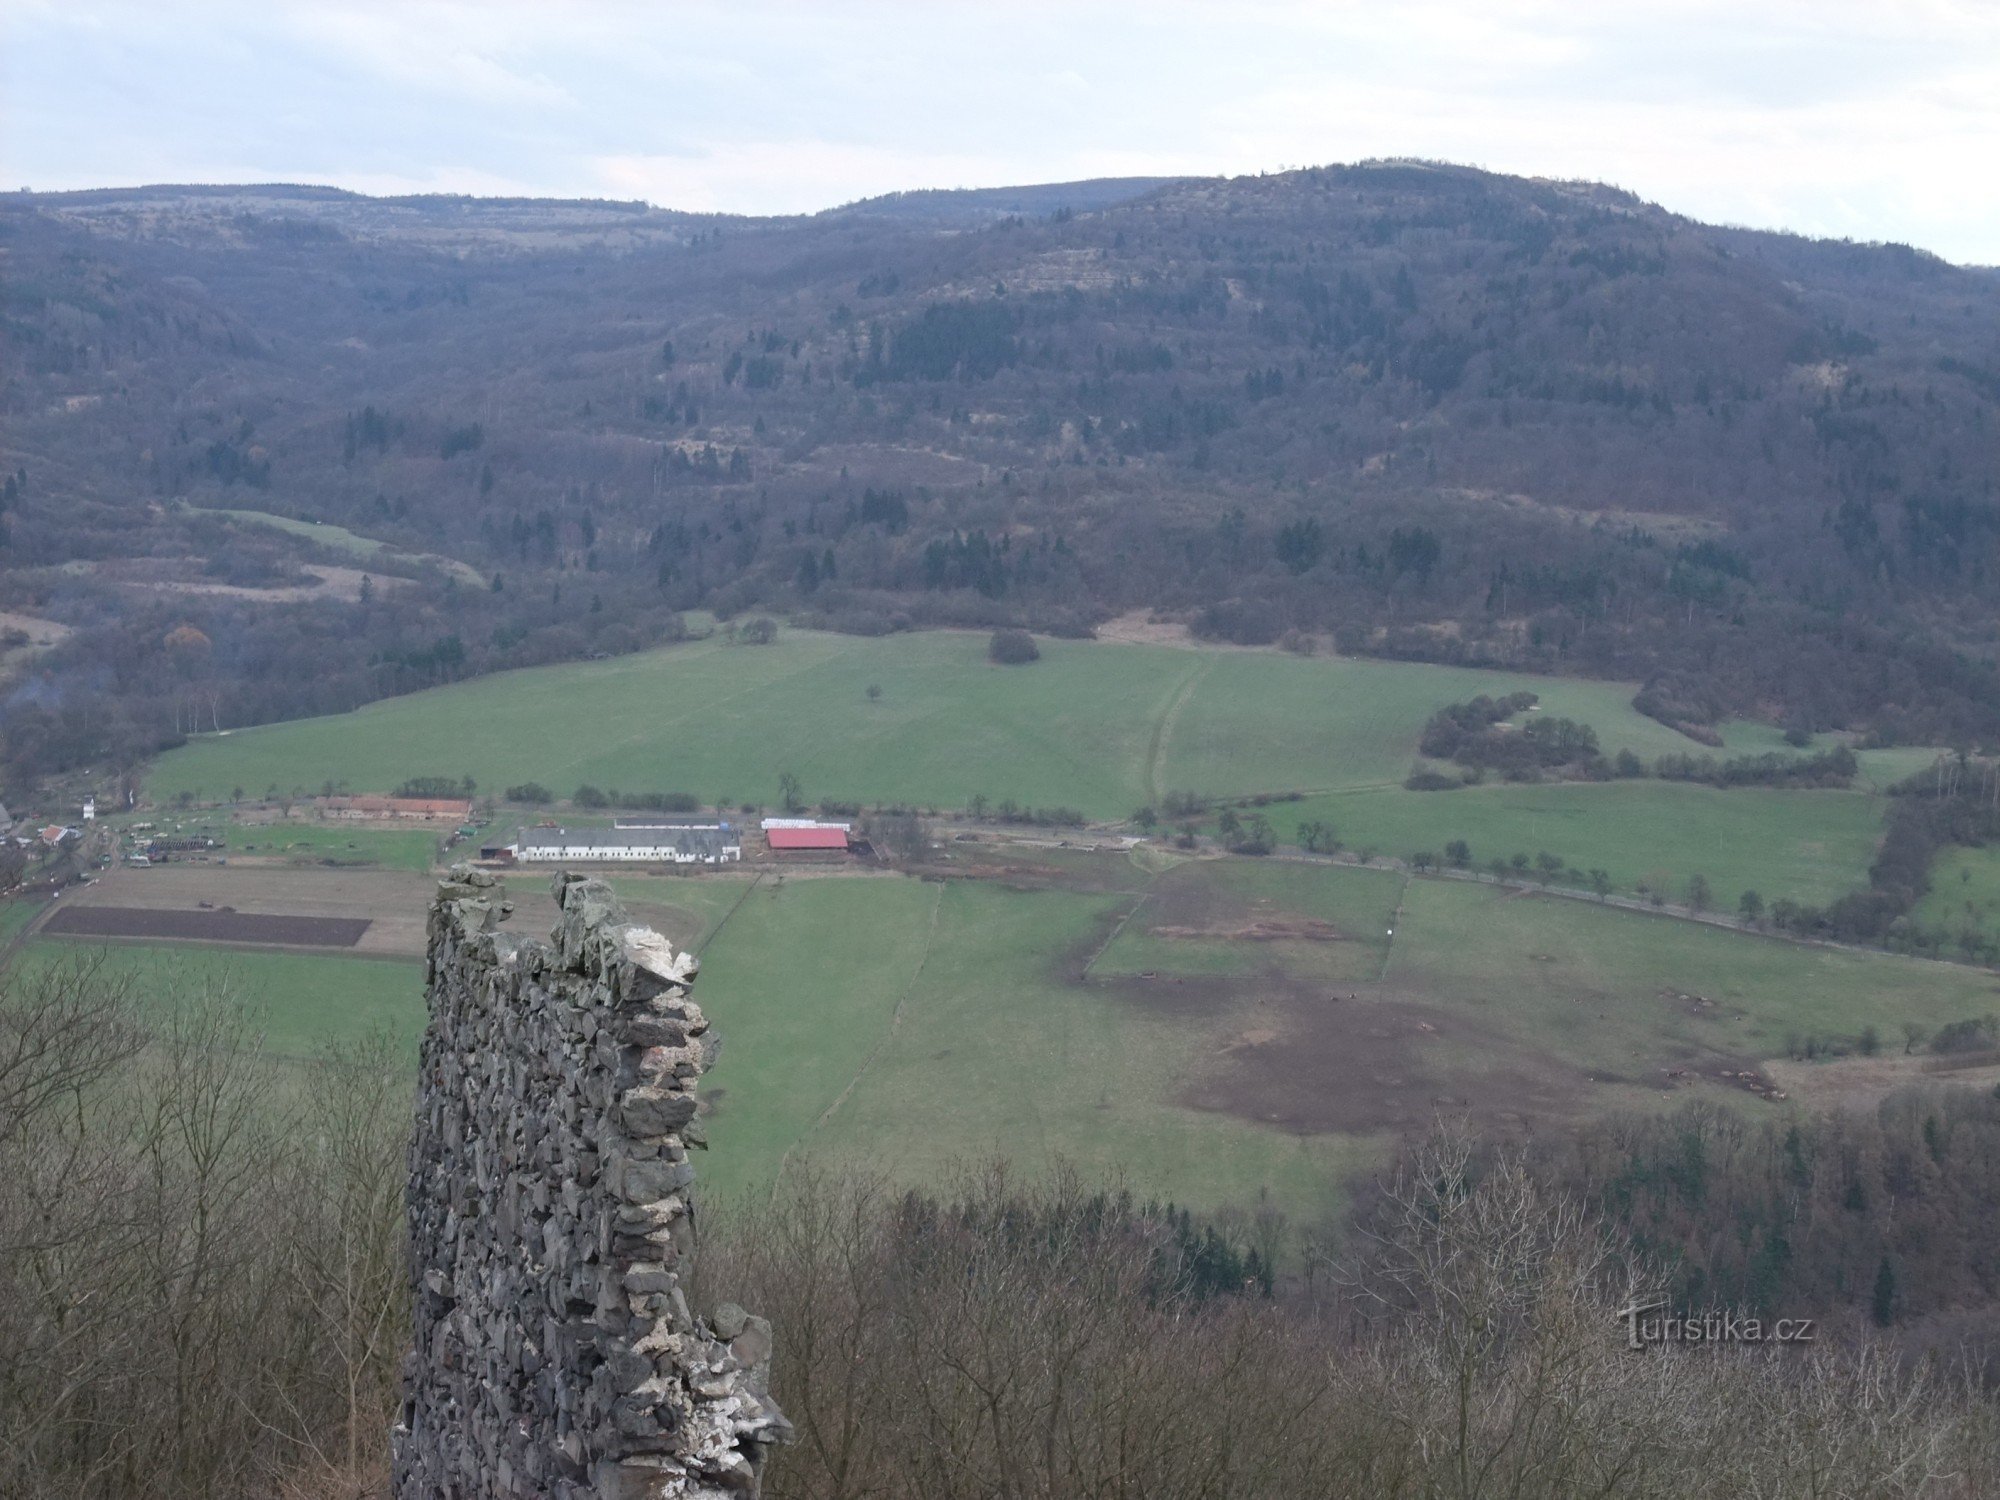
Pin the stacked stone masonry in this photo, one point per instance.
(551, 1227)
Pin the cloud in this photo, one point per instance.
(1832, 116)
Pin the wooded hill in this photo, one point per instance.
(1427, 411)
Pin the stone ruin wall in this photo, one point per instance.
(551, 1231)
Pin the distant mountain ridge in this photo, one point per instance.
(1413, 408)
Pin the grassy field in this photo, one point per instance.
(313, 843)
(1104, 728)
(15, 915)
(1101, 727)
(941, 1024)
(1134, 1023)
(1212, 1030)
(1209, 917)
(1965, 892)
(1598, 985)
(1810, 846)
(298, 1002)
(339, 539)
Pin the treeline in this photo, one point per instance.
(1957, 802)
(1887, 1216)
(1828, 768)
(1474, 735)
(1012, 1341)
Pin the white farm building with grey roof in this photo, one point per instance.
(713, 845)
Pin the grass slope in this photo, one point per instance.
(1811, 846)
(340, 539)
(1965, 892)
(996, 1050)
(909, 1026)
(1100, 727)
(314, 843)
(1594, 984)
(298, 1001)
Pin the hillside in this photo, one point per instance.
(1415, 411)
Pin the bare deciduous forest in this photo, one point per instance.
(1420, 411)
(203, 1293)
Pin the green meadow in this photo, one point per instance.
(1104, 728)
(1811, 846)
(338, 539)
(315, 843)
(1600, 985)
(1965, 892)
(1214, 1030)
(297, 1002)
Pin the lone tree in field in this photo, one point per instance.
(1698, 892)
(1750, 907)
(1012, 648)
(874, 692)
(1316, 838)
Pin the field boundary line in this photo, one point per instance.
(888, 1035)
(734, 907)
(1105, 946)
(1163, 730)
(1395, 921)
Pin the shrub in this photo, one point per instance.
(1432, 781)
(530, 791)
(1012, 648)
(1976, 1035)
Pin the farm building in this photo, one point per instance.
(702, 845)
(821, 837)
(452, 810)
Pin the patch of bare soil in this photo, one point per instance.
(41, 633)
(1140, 628)
(334, 583)
(1312, 1062)
(392, 903)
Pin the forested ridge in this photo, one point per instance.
(1425, 411)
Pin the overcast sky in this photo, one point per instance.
(1871, 120)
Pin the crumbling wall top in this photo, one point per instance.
(551, 1220)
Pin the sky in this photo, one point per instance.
(1873, 121)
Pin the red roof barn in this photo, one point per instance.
(806, 838)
